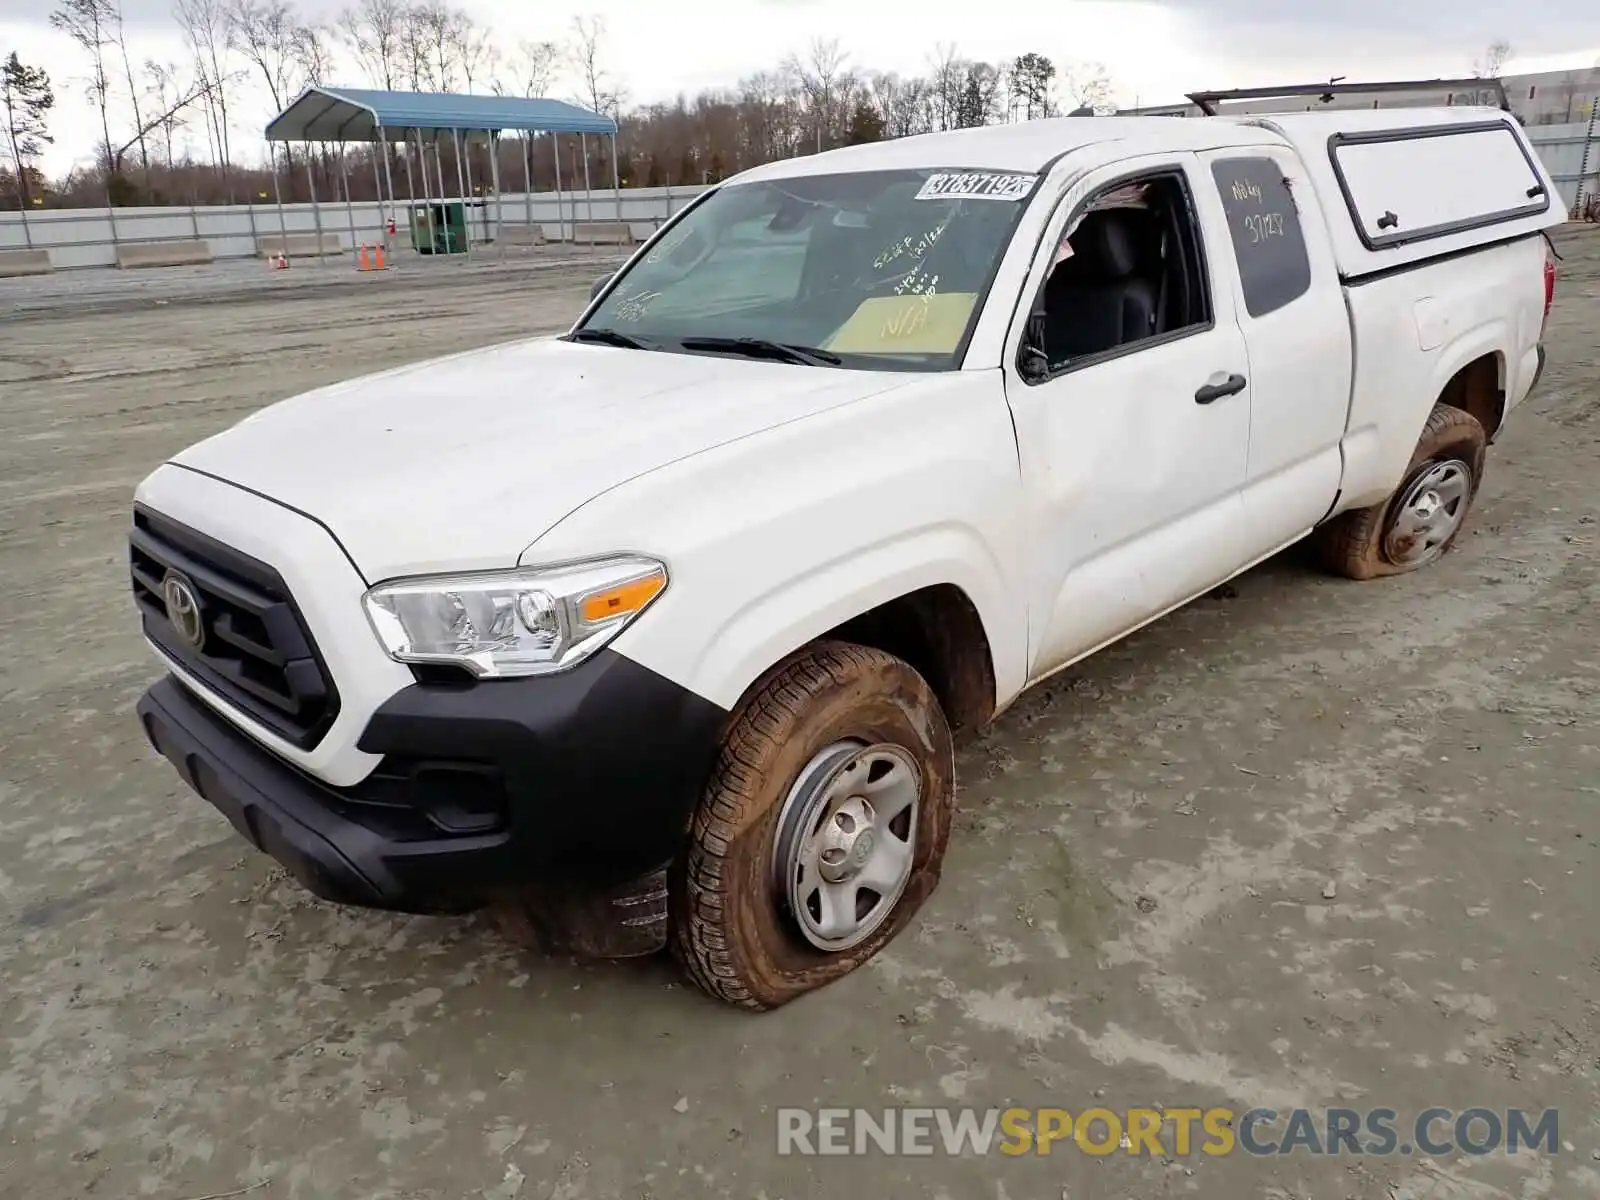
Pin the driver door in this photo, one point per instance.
(1134, 445)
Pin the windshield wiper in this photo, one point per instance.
(607, 337)
(753, 347)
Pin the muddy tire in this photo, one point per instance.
(1421, 518)
(840, 761)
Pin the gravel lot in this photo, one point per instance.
(1306, 842)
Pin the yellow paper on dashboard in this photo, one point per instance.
(912, 324)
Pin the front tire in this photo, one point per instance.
(1422, 518)
(822, 830)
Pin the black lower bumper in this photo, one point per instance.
(589, 777)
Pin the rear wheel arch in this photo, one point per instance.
(1479, 389)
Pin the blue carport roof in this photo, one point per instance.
(338, 114)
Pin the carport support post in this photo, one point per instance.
(527, 177)
(277, 192)
(461, 190)
(494, 182)
(388, 177)
(379, 149)
(588, 191)
(616, 178)
(349, 205)
(427, 188)
(464, 146)
(316, 209)
(561, 226)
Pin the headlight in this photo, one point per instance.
(506, 624)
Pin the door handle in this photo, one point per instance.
(1231, 386)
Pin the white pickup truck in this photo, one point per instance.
(656, 631)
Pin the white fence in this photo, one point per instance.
(87, 237)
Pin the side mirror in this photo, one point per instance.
(599, 286)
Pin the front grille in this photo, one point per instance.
(255, 651)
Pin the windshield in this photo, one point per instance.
(876, 269)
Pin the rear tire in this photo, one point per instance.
(822, 830)
(1421, 519)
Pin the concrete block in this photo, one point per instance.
(298, 245)
(522, 235)
(602, 233)
(186, 253)
(15, 263)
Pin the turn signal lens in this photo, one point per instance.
(622, 601)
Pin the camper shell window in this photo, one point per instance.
(1410, 185)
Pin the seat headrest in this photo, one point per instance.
(1107, 242)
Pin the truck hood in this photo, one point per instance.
(461, 463)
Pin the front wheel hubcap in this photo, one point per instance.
(1429, 514)
(846, 841)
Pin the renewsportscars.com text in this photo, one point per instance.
(1166, 1132)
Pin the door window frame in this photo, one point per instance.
(1057, 225)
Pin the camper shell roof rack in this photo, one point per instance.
(1208, 101)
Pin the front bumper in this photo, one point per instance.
(587, 778)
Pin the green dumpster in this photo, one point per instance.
(439, 228)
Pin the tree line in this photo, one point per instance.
(167, 129)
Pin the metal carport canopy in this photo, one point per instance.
(324, 114)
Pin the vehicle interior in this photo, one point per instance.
(1131, 271)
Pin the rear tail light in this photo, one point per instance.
(1549, 285)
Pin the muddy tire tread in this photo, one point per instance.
(732, 790)
(1349, 544)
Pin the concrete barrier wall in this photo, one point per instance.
(603, 233)
(299, 245)
(186, 252)
(90, 237)
(14, 263)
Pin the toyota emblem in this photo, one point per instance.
(183, 609)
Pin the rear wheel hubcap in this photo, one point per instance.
(1429, 514)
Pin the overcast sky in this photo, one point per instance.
(1155, 50)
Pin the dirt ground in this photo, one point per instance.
(1306, 842)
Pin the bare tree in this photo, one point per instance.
(945, 84)
(313, 52)
(163, 93)
(532, 70)
(821, 77)
(1087, 85)
(373, 32)
(1490, 65)
(119, 35)
(907, 104)
(89, 23)
(473, 47)
(208, 31)
(266, 32)
(1492, 62)
(600, 93)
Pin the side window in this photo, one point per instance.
(1264, 223)
(1128, 269)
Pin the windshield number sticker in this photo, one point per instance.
(976, 185)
